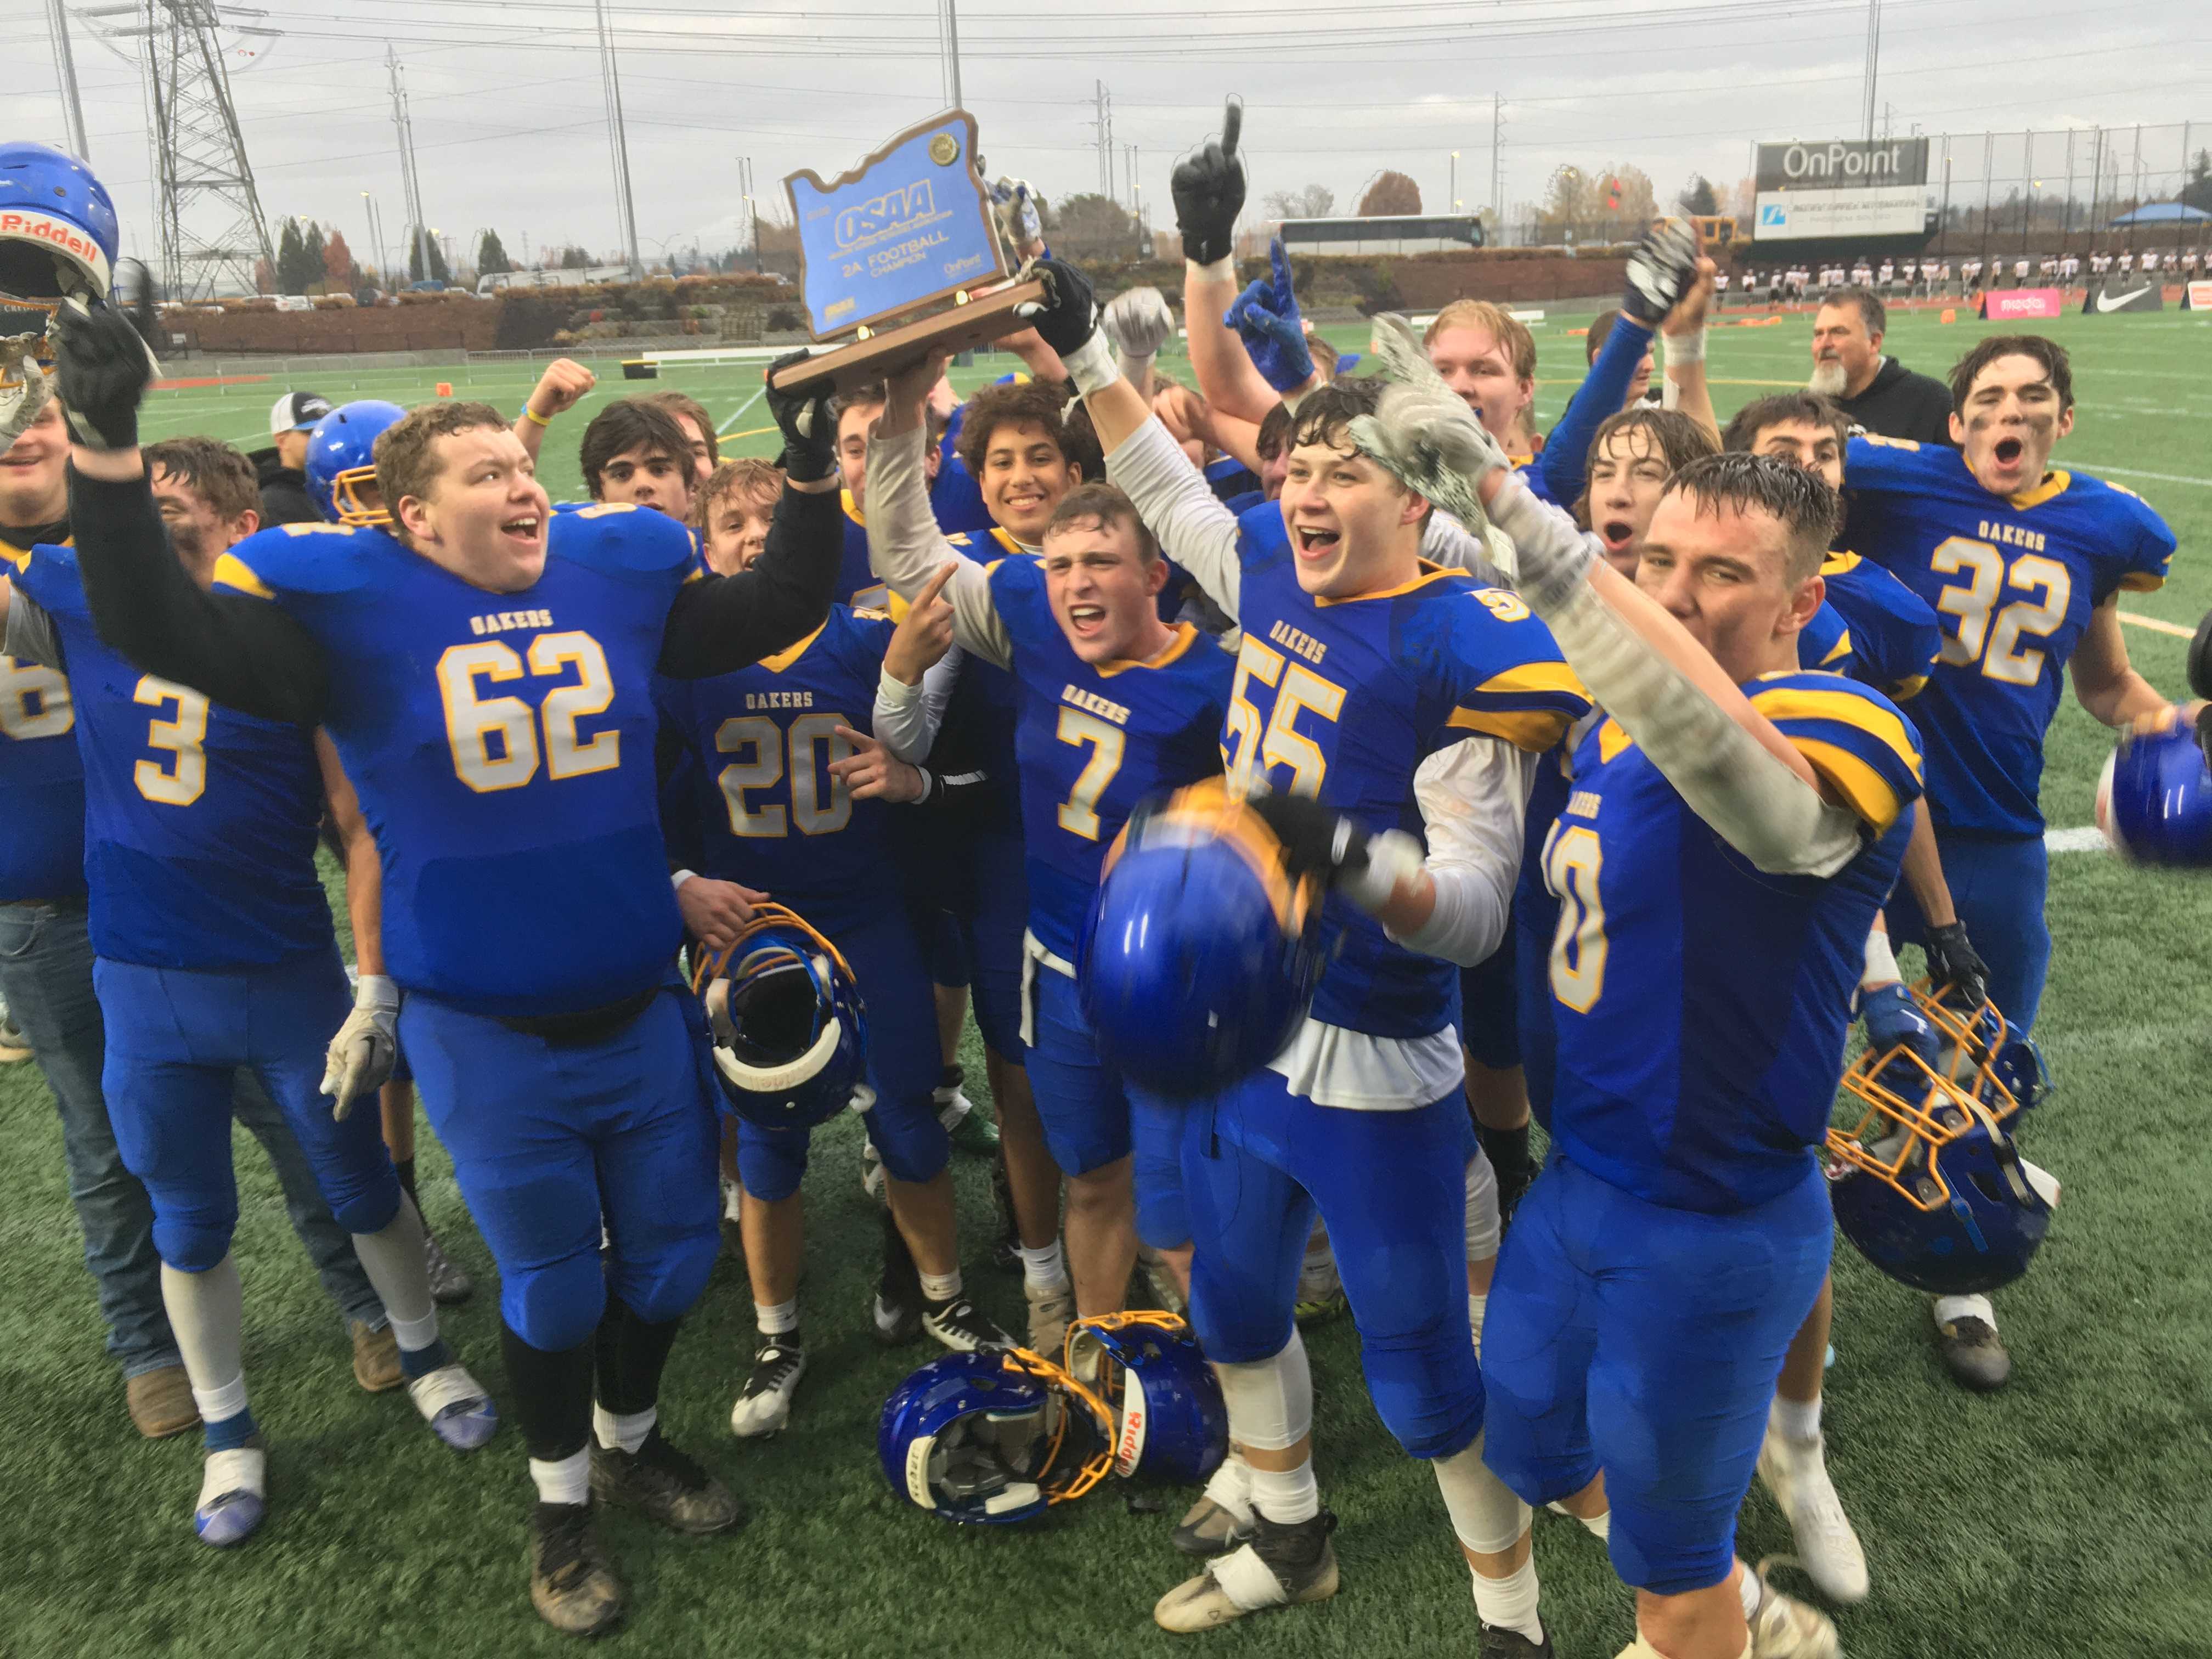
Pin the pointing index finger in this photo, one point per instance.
(935, 585)
(1232, 123)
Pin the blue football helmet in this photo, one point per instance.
(1930, 1186)
(57, 242)
(993, 1438)
(1200, 954)
(791, 1033)
(2154, 799)
(1170, 1426)
(341, 464)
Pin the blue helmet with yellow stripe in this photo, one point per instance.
(1201, 953)
(341, 464)
(1170, 1424)
(2154, 799)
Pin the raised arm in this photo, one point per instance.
(564, 382)
(1208, 186)
(243, 653)
(719, 624)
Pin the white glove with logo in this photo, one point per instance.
(362, 1055)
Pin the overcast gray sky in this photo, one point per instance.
(510, 121)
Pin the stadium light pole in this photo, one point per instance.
(948, 42)
(618, 139)
(1452, 195)
(65, 71)
(1873, 61)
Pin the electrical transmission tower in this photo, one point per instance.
(212, 227)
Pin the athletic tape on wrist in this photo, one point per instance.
(1221, 270)
(1092, 365)
(1683, 350)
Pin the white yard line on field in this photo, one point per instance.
(2086, 838)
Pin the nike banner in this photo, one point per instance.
(2106, 297)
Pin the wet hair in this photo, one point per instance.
(629, 424)
(1325, 415)
(406, 452)
(1784, 408)
(214, 472)
(1021, 402)
(1870, 307)
(1511, 334)
(1274, 433)
(1798, 499)
(2057, 367)
(1101, 504)
(762, 481)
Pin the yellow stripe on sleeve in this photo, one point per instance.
(1841, 649)
(1864, 789)
(1533, 729)
(2141, 581)
(232, 571)
(1611, 740)
(1784, 703)
(1524, 678)
(1909, 688)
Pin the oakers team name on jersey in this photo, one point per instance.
(764, 738)
(509, 781)
(200, 823)
(1700, 1005)
(1345, 699)
(506, 622)
(2012, 581)
(1093, 740)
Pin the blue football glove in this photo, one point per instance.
(1266, 316)
(1893, 1018)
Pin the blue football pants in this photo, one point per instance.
(1997, 884)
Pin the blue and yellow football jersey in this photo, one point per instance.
(858, 585)
(2012, 581)
(200, 822)
(1345, 699)
(502, 747)
(1700, 1005)
(41, 777)
(763, 738)
(1093, 740)
(1893, 636)
(976, 735)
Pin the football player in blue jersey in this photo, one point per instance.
(484, 670)
(1020, 451)
(1384, 702)
(2023, 564)
(1735, 826)
(634, 452)
(1113, 705)
(775, 737)
(213, 952)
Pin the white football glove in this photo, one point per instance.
(1423, 433)
(1139, 321)
(1659, 272)
(362, 1055)
(1013, 203)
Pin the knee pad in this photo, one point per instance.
(666, 1281)
(1486, 1515)
(1163, 1217)
(195, 1240)
(1482, 1223)
(770, 1162)
(1270, 1401)
(1427, 1385)
(555, 1307)
(913, 1144)
(373, 1204)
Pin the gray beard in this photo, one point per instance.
(1828, 379)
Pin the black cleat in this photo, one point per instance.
(571, 1584)
(1297, 1553)
(1500, 1643)
(663, 1485)
(1975, 1354)
(961, 1327)
(895, 1310)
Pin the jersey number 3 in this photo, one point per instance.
(495, 740)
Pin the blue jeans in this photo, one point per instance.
(45, 974)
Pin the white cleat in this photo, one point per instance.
(455, 1406)
(233, 1500)
(763, 1407)
(1796, 1472)
(1784, 1627)
(1286, 1565)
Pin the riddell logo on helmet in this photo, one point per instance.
(1129, 1445)
(16, 225)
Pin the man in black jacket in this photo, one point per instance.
(1877, 393)
(281, 469)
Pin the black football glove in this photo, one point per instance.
(1953, 962)
(1067, 316)
(1318, 841)
(102, 368)
(1208, 186)
(1661, 270)
(2200, 659)
(809, 436)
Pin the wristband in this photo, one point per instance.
(1683, 350)
(1393, 857)
(533, 416)
(1880, 962)
(1092, 365)
(1221, 270)
(680, 878)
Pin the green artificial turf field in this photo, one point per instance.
(2067, 1516)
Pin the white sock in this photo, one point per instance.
(940, 1287)
(1477, 1306)
(629, 1431)
(221, 1403)
(1044, 1268)
(416, 1333)
(1232, 1486)
(1951, 1309)
(392, 1258)
(1746, 1588)
(952, 1107)
(1795, 1419)
(1598, 1526)
(207, 1315)
(776, 1318)
(1288, 1495)
(1509, 1603)
(569, 1480)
